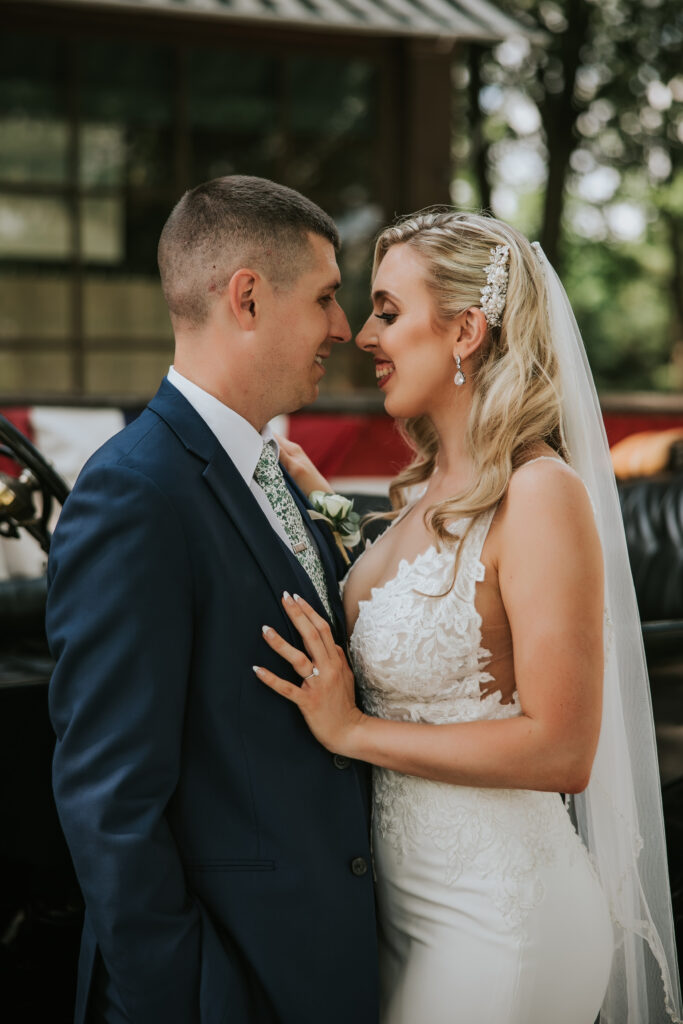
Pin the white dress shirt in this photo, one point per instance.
(241, 441)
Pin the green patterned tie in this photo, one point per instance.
(268, 476)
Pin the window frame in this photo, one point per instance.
(182, 34)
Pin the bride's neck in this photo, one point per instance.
(454, 465)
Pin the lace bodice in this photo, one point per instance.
(419, 658)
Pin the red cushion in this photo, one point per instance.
(20, 417)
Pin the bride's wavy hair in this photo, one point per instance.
(516, 390)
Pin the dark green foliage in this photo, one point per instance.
(592, 117)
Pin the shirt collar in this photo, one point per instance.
(237, 436)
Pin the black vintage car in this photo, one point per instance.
(40, 903)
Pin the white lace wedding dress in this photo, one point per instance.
(489, 909)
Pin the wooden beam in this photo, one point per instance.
(426, 148)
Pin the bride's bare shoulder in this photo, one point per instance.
(547, 498)
(546, 472)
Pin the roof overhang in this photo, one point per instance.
(474, 20)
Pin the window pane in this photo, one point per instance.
(232, 89)
(233, 111)
(102, 230)
(34, 306)
(33, 150)
(34, 228)
(102, 154)
(340, 174)
(332, 119)
(35, 373)
(33, 124)
(144, 220)
(124, 233)
(126, 373)
(127, 94)
(331, 96)
(124, 307)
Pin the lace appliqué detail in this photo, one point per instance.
(417, 655)
(419, 658)
(507, 836)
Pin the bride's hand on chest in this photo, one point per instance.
(326, 695)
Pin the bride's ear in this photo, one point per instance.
(469, 332)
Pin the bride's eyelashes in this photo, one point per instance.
(387, 317)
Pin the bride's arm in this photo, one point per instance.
(550, 574)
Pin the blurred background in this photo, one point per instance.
(563, 117)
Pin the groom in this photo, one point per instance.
(222, 852)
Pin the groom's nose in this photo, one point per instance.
(340, 330)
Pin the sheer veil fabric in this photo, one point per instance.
(619, 816)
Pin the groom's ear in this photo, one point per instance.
(243, 294)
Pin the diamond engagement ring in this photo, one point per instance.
(315, 672)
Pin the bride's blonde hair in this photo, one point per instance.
(516, 402)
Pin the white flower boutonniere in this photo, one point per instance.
(337, 512)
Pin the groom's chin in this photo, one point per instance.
(310, 394)
(304, 398)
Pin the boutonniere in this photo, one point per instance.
(337, 512)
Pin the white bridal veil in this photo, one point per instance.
(619, 816)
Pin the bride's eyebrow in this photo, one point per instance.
(382, 293)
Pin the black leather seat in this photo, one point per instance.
(652, 510)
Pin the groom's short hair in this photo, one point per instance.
(228, 223)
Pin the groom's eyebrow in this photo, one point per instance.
(333, 286)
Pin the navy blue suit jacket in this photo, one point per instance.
(220, 848)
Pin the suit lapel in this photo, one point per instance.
(279, 564)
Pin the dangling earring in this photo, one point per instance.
(460, 377)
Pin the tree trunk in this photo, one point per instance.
(674, 226)
(480, 149)
(559, 112)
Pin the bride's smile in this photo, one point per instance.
(414, 348)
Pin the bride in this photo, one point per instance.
(495, 642)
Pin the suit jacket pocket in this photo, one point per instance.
(229, 864)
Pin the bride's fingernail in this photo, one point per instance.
(257, 669)
(286, 596)
(296, 597)
(265, 630)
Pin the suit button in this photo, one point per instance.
(359, 866)
(340, 761)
